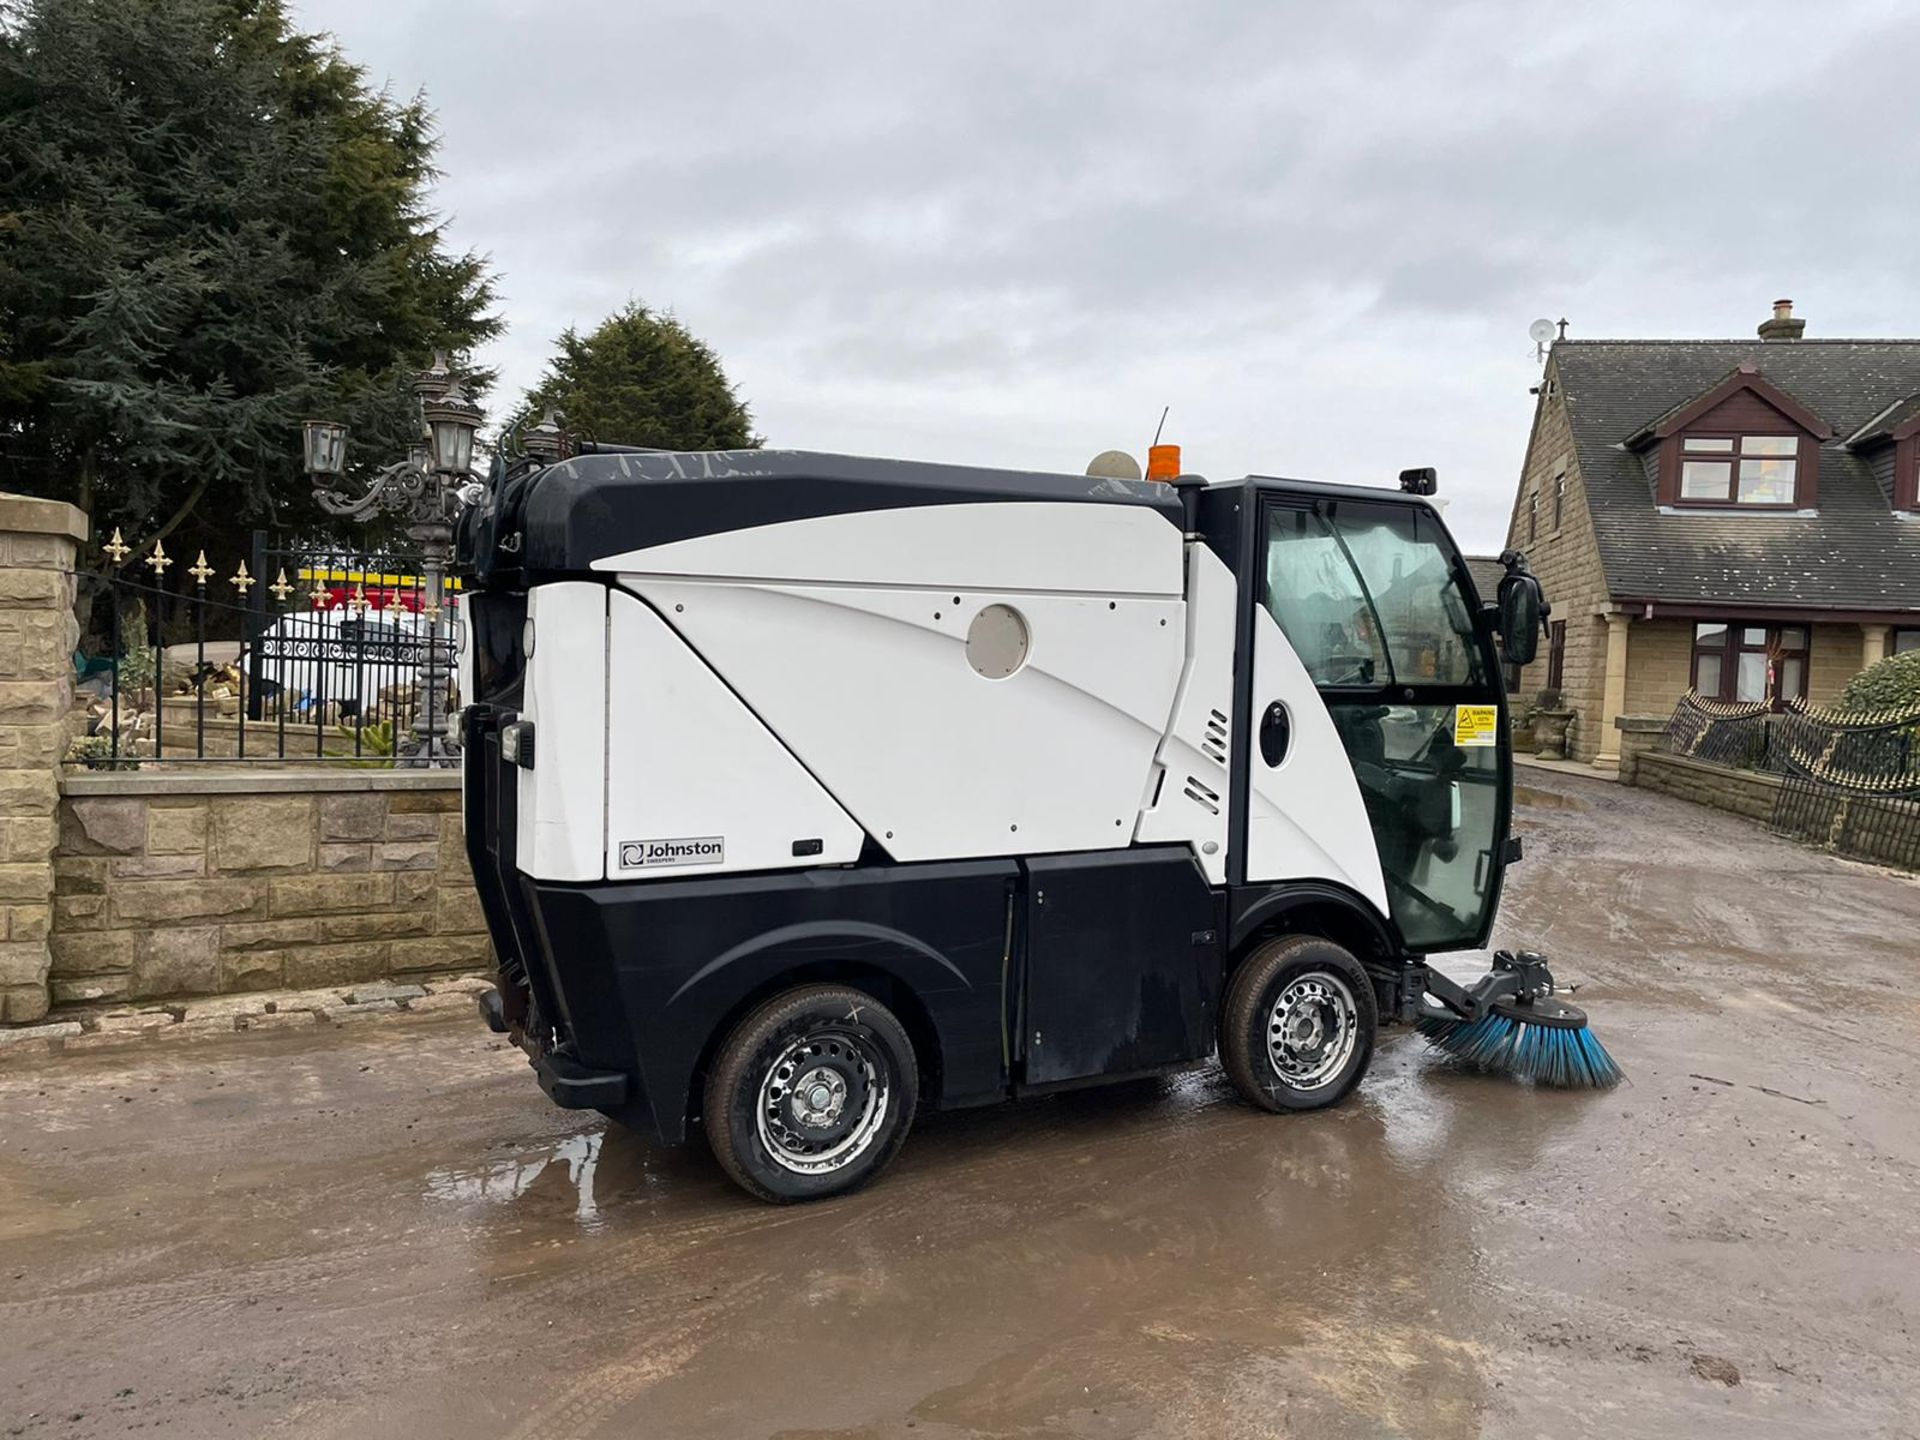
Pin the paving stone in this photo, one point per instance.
(341, 1014)
(103, 1040)
(445, 1000)
(368, 994)
(463, 985)
(142, 1022)
(282, 1020)
(22, 1034)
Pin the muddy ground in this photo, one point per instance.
(386, 1231)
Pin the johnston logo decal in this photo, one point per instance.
(700, 850)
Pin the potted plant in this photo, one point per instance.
(1551, 722)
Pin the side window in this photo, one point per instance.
(1317, 601)
(1367, 595)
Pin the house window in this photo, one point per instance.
(1557, 655)
(1739, 469)
(1750, 662)
(1533, 517)
(1905, 640)
(1559, 499)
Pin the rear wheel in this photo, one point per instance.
(811, 1094)
(1298, 1027)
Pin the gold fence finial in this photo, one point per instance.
(159, 561)
(241, 580)
(200, 570)
(116, 548)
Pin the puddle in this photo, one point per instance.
(501, 1182)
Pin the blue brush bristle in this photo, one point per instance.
(1546, 1054)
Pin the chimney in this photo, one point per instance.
(1782, 326)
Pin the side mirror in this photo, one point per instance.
(1523, 610)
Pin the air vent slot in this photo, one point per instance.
(1203, 795)
(1214, 743)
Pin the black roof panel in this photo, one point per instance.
(592, 506)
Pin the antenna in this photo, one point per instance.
(1541, 333)
(1162, 425)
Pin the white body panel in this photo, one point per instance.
(871, 689)
(1305, 817)
(688, 762)
(562, 800)
(1192, 791)
(1038, 546)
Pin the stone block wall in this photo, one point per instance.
(38, 540)
(171, 885)
(1743, 792)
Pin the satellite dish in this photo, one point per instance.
(1540, 331)
(1114, 465)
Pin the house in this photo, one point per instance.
(1737, 516)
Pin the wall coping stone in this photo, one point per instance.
(253, 782)
(1660, 760)
(1640, 724)
(28, 515)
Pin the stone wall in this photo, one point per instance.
(1744, 792)
(38, 539)
(1566, 557)
(171, 885)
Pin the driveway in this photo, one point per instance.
(385, 1231)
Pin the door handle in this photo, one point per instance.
(1276, 734)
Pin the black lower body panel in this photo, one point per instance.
(652, 975)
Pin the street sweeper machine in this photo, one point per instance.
(805, 790)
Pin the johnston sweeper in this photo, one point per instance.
(804, 790)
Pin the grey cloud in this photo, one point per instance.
(1005, 232)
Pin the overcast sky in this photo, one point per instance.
(1008, 234)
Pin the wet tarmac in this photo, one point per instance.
(386, 1231)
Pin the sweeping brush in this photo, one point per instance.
(1544, 1040)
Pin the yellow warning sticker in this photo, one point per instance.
(1476, 724)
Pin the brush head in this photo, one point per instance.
(1546, 1041)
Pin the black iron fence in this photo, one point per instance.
(1850, 783)
(293, 654)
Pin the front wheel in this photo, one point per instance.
(1297, 1030)
(811, 1094)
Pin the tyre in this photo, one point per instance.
(1298, 1027)
(811, 1094)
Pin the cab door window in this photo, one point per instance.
(1369, 596)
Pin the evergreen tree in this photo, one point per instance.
(643, 379)
(211, 228)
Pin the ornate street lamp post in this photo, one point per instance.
(423, 490)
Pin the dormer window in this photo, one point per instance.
(1741, 444)
(1739, 469)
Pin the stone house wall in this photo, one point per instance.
(1566, 557)
(171, 885)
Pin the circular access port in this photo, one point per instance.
(997, 642)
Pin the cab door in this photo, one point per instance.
(1377, 715)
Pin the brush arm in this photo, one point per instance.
(1524, 976)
